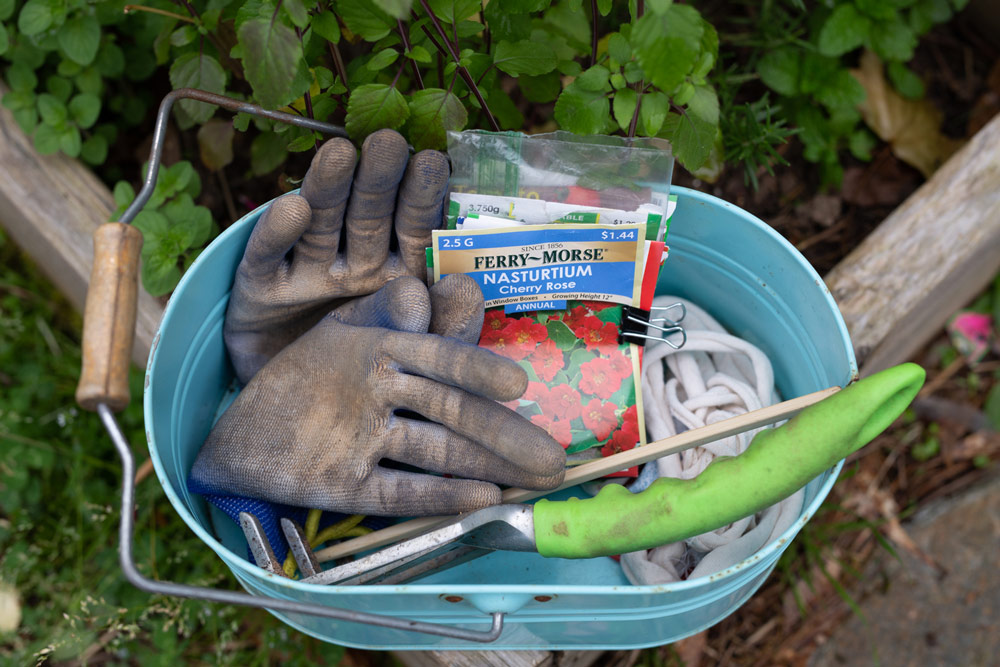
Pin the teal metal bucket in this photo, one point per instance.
(722, 258)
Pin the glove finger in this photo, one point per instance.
(387, 492)
(433, 447)
(373, 199)
(457, 308)
(499, 429)
(326, 187)
(456, 363)
(420, 208)
(401, 305)
(277, 230)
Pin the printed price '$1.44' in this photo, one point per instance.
(623, 235)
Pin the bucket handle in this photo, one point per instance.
(108, 332)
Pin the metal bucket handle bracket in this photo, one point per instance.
(108, 332)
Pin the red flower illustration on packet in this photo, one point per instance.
(598, 378)
(547, 360)
(575, 365)
(597, 334)
(600, 418)
(559, 429)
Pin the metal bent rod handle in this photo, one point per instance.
(108, 331)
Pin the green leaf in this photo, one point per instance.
(841, 90)
(705, 104)
(326, 26)
(540, 89)
(35, 17)
(190, 225)
(433, 113)
(667, 45)
(691, 138)
(382, 59)
(374, 106)
(197, 70)
(581, 111)
(451, 11)
(110, 62)
(52, 110)
(303, 142)
(4, 40)
(779, 70)
(561, 335)
(399, 9)
(926, 13)
(7, 9)
(506, 25)
(267, 152)
(861, 143)
(624, 107)
(506, 112)
(183, 35)
(21, 78)
(618, 48)
(595, 78)
(893, 41)
(46, 139)
(94, 150)
(69, 141)
(124, 194)
(160, 273)
(297, 12)
(273, 53)
(524, 6)
(60, 87)
(419, 54)
(79, 38)
(524, 57)
(363, 18)
(84, 108)
(653, 112)
(905, 80)
(845, 30)
(604, 7)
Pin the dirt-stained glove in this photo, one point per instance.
(310, 251)
(312, 426)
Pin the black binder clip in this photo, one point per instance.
(636, 322)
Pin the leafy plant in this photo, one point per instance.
(808, 63)
(429, 67)
(174, 228)
(70, 75)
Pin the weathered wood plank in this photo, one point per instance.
(50, 207)
(929, 257)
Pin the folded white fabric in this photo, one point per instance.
(713, 377)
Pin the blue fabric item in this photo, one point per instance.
(271, 514)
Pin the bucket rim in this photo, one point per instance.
(247, 568)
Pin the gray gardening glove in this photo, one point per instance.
(295, 271)
(311, 428)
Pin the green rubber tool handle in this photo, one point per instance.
(777, 463)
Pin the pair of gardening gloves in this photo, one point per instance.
(350, 361)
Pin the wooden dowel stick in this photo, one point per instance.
(595, 469)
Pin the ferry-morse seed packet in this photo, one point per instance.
(554, 297)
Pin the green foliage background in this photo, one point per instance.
(79, 72)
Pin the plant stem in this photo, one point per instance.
(640, 8)
(593, 36)
(338, 64)
(406, 48)
(487, 36)
(153, 10)
(462, 71)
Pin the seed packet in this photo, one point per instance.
(520, 207)
(561, 320)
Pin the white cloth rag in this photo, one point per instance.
(713, 377)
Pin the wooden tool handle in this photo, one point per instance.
(109, 317)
